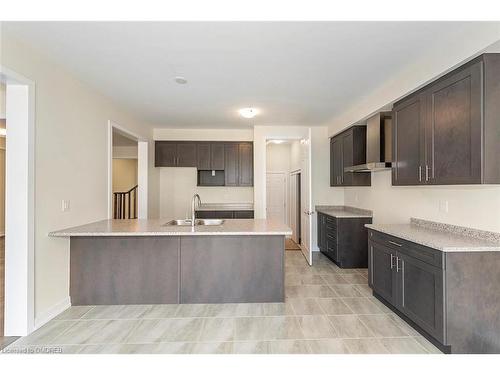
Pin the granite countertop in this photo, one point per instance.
(344, 211)
(225, 207)
(143, 227)
(440, 236)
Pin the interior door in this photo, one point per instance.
(276, 195)
(306, 202)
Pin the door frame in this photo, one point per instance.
(19, 314)
(142, 169)
(286, 195)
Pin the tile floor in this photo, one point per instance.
(327, 310)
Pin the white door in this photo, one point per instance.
(305, 201)
(295, 210)
(276, 196)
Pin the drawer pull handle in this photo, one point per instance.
(395, 243)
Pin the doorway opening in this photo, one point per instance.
(125, 182)
(127, 174)
(3, 133)
(283, 188)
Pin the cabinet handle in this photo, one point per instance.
(419, 173)
(395, 243)
(392, 264)
(426, 173)
(397, 264)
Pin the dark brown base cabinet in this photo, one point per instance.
(344, 240)
(448, 132)
(219, 214)
(451, 298)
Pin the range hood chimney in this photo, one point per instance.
(378, 144)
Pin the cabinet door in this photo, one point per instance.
(454, 128)
(408, 141)
(186, 154)
(247, 214)
(347, 159)
(203, 156)
(381, 269)
(217, 156)
(336, 161)
(320, 231)
(245, 153)
(231, 163)
(165, 154)
(420, 294)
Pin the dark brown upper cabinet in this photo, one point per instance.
(245, 165)
(347, 149)
(210, 156)
(218, 163)
(231, 164)
(175, 154)
(448, 132)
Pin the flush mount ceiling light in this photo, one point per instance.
(248, 112)
(180, 80)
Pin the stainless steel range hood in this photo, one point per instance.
(378, 144)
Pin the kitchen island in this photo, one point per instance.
(148, 262)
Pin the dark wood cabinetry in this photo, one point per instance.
(218, 163)
(343, 240)
(347, 149)
(219, 214)
(409, 277)
(175, 154)
(447, 132)
(245, 165)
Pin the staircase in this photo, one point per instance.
(125, 204)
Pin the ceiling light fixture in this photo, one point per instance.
(276, 141)
(180, 80)
(248, 112)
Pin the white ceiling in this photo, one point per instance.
(296, 73)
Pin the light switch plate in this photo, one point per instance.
(65, 205)
(443, 206)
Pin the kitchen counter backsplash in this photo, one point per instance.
(455, 229)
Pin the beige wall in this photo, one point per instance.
(470, 206)
(278, 157)
(71, 152)
(2, 181)
(124, 174)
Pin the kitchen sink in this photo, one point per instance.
(187, 222)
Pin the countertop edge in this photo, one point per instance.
(432, 246)
(164, 234)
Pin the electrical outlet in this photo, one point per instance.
(443, 206)
(65, 205)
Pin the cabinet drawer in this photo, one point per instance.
(425, 254)
(331, 221)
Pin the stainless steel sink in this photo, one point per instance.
(187, 222)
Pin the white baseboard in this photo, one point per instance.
(52, 312)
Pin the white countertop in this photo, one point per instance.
(344, 211)
(143, 227)
(442, 237)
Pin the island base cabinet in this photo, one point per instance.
(124, 270)
(232, 269)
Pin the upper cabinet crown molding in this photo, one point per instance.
(448, 132)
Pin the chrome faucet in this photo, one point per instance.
(196, 199)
